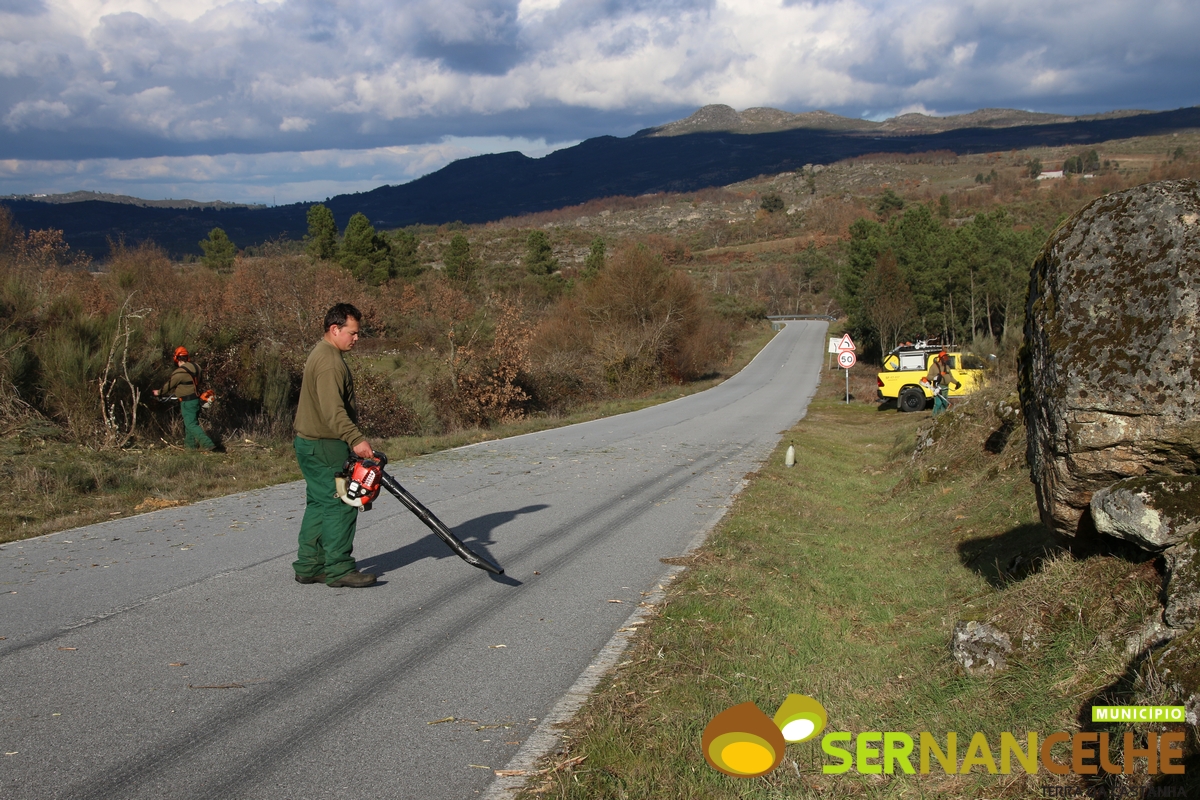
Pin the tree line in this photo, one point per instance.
(909, 275)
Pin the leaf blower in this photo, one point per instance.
(358, 485)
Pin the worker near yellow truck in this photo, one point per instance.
(939, 378)
(184, 384)
(326, 433)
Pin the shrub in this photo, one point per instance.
(381, 414)
(772, 203)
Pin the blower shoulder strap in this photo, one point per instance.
(194, 372)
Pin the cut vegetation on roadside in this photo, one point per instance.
(842, 579)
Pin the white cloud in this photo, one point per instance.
(295, 124)
(37, 113)
(151, 77)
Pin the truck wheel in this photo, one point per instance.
(911, 399)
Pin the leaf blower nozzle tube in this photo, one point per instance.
(359, 484)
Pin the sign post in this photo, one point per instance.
(846, 359)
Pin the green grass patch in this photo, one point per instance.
(842, 578)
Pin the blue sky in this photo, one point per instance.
(302, 99)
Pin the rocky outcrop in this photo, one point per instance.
(1110, 381)
(1159, 514)
(1177, 667)
(1183, 584)
(980, 647)
(1153, 512)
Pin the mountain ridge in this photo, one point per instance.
(722, 118)
(84, 195)
(495, 186)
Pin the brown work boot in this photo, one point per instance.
(311, 578)
(353, 580)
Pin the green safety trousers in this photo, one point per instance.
(193, 435)
(327, 531)
(941, 401)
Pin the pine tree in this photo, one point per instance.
(322, 233)
(460, 264)
(364, 252)
(539, 258)
(219, 251)
(404, 255)
(595, 259)
(772, 203)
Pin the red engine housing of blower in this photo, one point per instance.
(362, 482)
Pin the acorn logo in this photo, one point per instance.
(743, 742)
(800, 718)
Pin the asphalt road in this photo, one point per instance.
(171, 655)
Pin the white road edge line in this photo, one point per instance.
(549, 730)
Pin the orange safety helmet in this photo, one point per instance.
(181, 354)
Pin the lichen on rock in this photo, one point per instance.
(980, 647)
(1154, 512)
(1109, 381)
(1177, 667)
(1183, 583)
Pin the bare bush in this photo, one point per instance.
(380, 412)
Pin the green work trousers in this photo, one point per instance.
(941, 401)
(193, 436)
(327, 532)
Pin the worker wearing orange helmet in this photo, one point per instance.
(939, 378)
(184, 384)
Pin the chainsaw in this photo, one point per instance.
(359, 483)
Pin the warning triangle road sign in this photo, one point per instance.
(846, 343)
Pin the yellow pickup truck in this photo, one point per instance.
(904, 367)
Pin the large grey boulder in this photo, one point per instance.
(1109, 381)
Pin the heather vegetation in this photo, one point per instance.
(446, 349)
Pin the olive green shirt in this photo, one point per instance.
(181, 383)
(327, 407)
(938, 376)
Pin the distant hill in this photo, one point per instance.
(767, 120)
(124, 199)
(491, 187)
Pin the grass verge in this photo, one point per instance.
(842, 579)
(51, 486)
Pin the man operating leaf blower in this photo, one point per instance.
(343, 475)
(326, 433)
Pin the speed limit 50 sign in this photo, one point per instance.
(847, 359)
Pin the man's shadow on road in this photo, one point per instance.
(475, 533)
